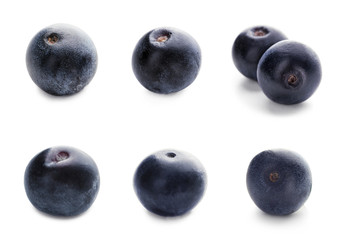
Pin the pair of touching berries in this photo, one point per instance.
(64, 181)
(288, 72)
(62, 60)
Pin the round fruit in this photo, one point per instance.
(61, 59)
(279, 181)
(250, 45)
(166, 60)
(62, 181)
(170, 182)
(289, 72)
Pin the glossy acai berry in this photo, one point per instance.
(166, 60)
(289, 72)
(250, 45)
(61, 59)
(170, 182)
(62, 181)
(279, 181)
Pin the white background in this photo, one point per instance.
(222, 118)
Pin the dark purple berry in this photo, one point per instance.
(166, 60)
(250, 45)
(62, 181)
(61, 59)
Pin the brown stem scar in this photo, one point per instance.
(62, 156)
(292, 79)
(52, 39)
(274, 176)
(162, 38)
(259, 33)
